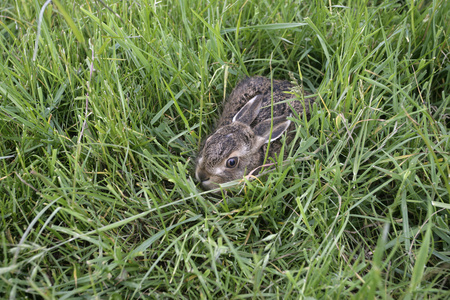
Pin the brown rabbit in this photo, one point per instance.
(239, 143)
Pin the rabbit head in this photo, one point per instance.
(235, 149)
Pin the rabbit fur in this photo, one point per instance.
(239, 143)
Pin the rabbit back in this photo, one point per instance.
(252, 86)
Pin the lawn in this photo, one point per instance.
(103, 105)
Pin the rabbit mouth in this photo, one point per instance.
(205, 180)
(209, 185)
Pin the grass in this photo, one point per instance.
(99, 135)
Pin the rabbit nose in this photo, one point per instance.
(202, 176)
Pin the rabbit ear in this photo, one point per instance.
(262, 130)
(250, 111)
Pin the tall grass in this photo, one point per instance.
(99, 135)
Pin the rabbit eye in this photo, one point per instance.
(232, 162)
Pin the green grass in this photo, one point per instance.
(98, 137)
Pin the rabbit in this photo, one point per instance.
(239, 143)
